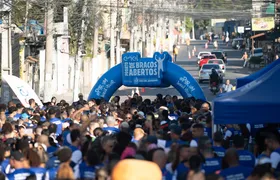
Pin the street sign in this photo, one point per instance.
(263, 24)
(240, 29)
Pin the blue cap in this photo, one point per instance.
(24, 116)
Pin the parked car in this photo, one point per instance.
(205, 58)
(206, 70)
(200, 54)
(256, 57)
(220, 55)
(220, 62)
(236, 43)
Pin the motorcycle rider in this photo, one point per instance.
(214, 77)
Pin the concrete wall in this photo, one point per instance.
(62, 64)
(61, 72)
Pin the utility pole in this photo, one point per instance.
(79, 53)
(95, 31)
(131, 28)
(95, 40)
(6, 56)
(131, 41)
(10, 43)
(112, 38)
(119, 26)
(26, 17)
(193, 34)
(49, 52)
(143, 30)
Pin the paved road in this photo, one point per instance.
(233, 70)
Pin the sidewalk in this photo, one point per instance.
(247, 70)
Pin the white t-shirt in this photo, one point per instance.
(275, 159)
(162, 144)
(77, 159)
(193, 143)
(227, 88)
(228, 133)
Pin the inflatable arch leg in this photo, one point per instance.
(176, 76)
(181, 80)
(107, 84)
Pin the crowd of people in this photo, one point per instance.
(168, 138)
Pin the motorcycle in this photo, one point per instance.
(214, 88)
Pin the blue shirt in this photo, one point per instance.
(39, 172)
(87, 172)
(111, 130)
(20, 174)
(181, 170)
(43, 119)
(64, 136)
(169, 143)
(58, 123)
(51, 173)
(66, 119)
(5, 166)
(166, 175)
(17, 117)
(134, 140)
(52, 162)
(246, 158)
(208, 132)
(220, 151)
(236, 173)
(234, 132)
(255, 128)
(51, 150)
(7, 113)
(211, 165)
(262, 156)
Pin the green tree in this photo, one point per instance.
(35, 11)
(188, 24)
(202, 24)
(58, 9)
(223, 5)
(94, 20)
(75, 20)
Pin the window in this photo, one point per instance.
(218, 54)
(210, 66)
(202, 54)
(215, 62)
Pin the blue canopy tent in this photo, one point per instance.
(256, 102)
(245, 80)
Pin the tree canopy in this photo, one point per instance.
(223, 4)
(188, 24)
(201, 24)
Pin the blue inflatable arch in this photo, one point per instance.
(173, 75)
